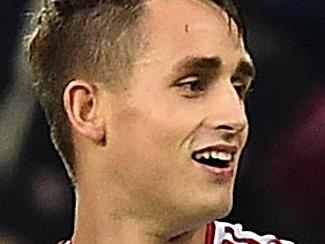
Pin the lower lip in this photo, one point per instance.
(222, 174)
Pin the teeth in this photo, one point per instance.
(214, 155)
(224, 156)
(206, 155)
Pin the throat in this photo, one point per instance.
(111, 225)
(181, 238)
(190, 237)
(124, 233)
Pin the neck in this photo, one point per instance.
(100, 222)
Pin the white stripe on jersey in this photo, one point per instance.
(233, 233)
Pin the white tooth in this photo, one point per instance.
(229, 156)
(198, 156)
(214, 155)
(224, 156)
(206, 155)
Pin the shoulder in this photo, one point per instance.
(226, 233)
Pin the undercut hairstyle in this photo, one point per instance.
(92, 40)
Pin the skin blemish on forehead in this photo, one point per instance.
(186, 28)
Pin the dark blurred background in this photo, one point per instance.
(281, 187)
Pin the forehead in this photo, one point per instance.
(197, 28)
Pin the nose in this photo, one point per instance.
(227, 110)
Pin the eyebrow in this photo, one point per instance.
(199, 63)
(213, 65)
(246, 69)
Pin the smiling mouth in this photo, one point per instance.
(214, 157)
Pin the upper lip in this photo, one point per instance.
(221, 147)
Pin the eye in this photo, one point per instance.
(241, 88)
(192, 86)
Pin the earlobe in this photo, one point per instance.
(81, 105)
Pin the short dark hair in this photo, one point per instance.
(85, 39)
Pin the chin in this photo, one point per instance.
(224, 213)
(205, 204)
(199, 213)
(219, 208)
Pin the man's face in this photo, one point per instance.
(183, 104)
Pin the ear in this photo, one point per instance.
(81, 105)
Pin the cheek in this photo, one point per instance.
(145, 144)
(151, 129)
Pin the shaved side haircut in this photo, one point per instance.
(92, 40)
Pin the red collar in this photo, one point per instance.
(210, 233)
